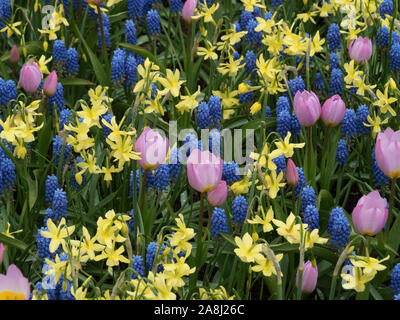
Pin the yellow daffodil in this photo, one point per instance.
(264, 220)
(289, 229)
(356, 281)
(171, 83)
(375, 123)
(188, 102)
(57, 234)
(114, 257)
(265, 265)
(247, 251)
(384, 102)
(286, 147)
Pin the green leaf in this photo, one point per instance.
(97, 66)
(228, 238)
(325, 204)
(394, 235)
(76, 82)
(13, 242)
(32, 191)
(143, 52)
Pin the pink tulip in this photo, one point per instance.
(204, 170)
(360, 49)
(30, 77)
(306, 107)
(14, 54)
(217, 196)
(50, 85)
(370, 214)
(309, 279)
(188, 10)
(292, 176)
(1, 252)
(387, 152)
(14, 286)
(333, 111)
(153, 148)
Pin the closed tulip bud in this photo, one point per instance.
(360, 49)
(292, 176)
(188, 10)
(217, 196)
(14, 54)
(387, 152)
(307, 108)
(204, 170)
(333, 111)
(30, 77)
(309, 279)
(1, 252)
(370, 214)
(50, 85)
(153, 148)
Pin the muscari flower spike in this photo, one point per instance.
(239, 209)
(338, 228)
(342, 152)
(307, 197)
(333, 37)
(311, 217)
(138, 266)
(218, 223)
(336, 82)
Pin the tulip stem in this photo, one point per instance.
(309, 153)
(200, 231)
(46, 98)
(325, 139)
(391, 200)
(142, 190)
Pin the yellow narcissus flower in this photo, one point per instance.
(232, 67)
(162, 289)
(114, 257)
(250, 4)
(59, 268)
(57, 234)
(91, 115)
(312, 238)
(182, 235)
(384, 102)
(188, 102)
(242, 186)
(375, 123)
(286, 147)
(11, 28)
(171, 83)
(247, 251)
(356, 281)
(289, 230)
(265, 265)
(370, 265)
(256, 107)
(264, 220)
(122, 150)
(274, 183)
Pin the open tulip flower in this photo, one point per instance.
(204, 170)
(13, 285)
(370, 214)
(199, 149)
